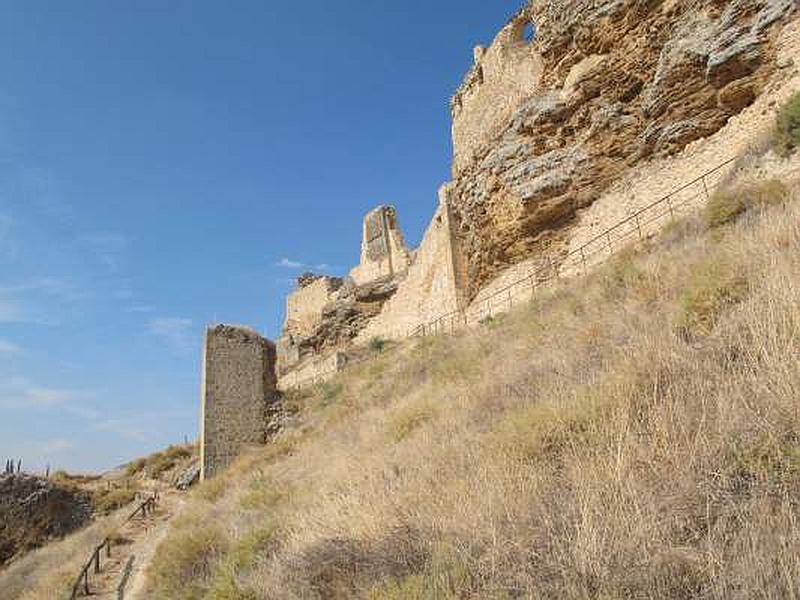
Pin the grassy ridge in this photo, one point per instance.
(633, 433)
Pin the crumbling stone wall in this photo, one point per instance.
(383, 249)
(433, 285)
(304, 306)
(621, 83)
(316, 369)
(238, 390)
(543, 127)
(503, 75)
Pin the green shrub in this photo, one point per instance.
(405, 421)
(107, 501)
(534, 432)
(242, 557)
(211, 490)
(377, 345)
(787, 134)
(713, 286)
(445, 577)
(727, 206)
(329, 391)
(263, 494)
(162, 462)
(136, 467)
(186, 561)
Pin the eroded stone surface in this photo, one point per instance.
(621, 82)
(239, 390)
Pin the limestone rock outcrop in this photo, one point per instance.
(616, 82)
(327, 313)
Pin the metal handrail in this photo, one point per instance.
(579, 256)
(81, 586)
(549, 273)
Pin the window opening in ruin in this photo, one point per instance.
(529, 33)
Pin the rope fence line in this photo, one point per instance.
(638, 225)
(94, 565)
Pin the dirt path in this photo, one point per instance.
(135, 588)
(134, 543)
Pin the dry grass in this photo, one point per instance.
(108, 500)
(48, 573)
(155, 465)
(632, 434)
(729, 204)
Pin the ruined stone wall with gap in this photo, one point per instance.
(238, 389)
(304, 305)
(502, 76)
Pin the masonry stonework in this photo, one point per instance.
(433, 286)
(383, 249)
(578, 111)
(503, 75)
(238, 390)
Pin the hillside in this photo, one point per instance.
(49, 526)
(35, 510)
(632, 433)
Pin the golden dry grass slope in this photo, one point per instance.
(630, 434)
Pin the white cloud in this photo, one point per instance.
(8, 249)
(175, 331)
(55, 446)
(26, 302)
(21, 393)
(12, 312)
(47, 397)
(128, 429)
(288, 263)
(9, 348)
(54, 287)
(141, 308)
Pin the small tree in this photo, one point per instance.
(377, 344)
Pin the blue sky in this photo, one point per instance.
(167, 164)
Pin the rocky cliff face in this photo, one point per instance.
(35, 510)
(348, 311)
(622, 81)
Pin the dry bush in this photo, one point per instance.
(185, 564)
(728, 205)
(161, 462)
(714, 285)
(581, 447)
(107, 501)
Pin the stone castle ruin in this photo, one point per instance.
(238, 391)
(570, 100)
